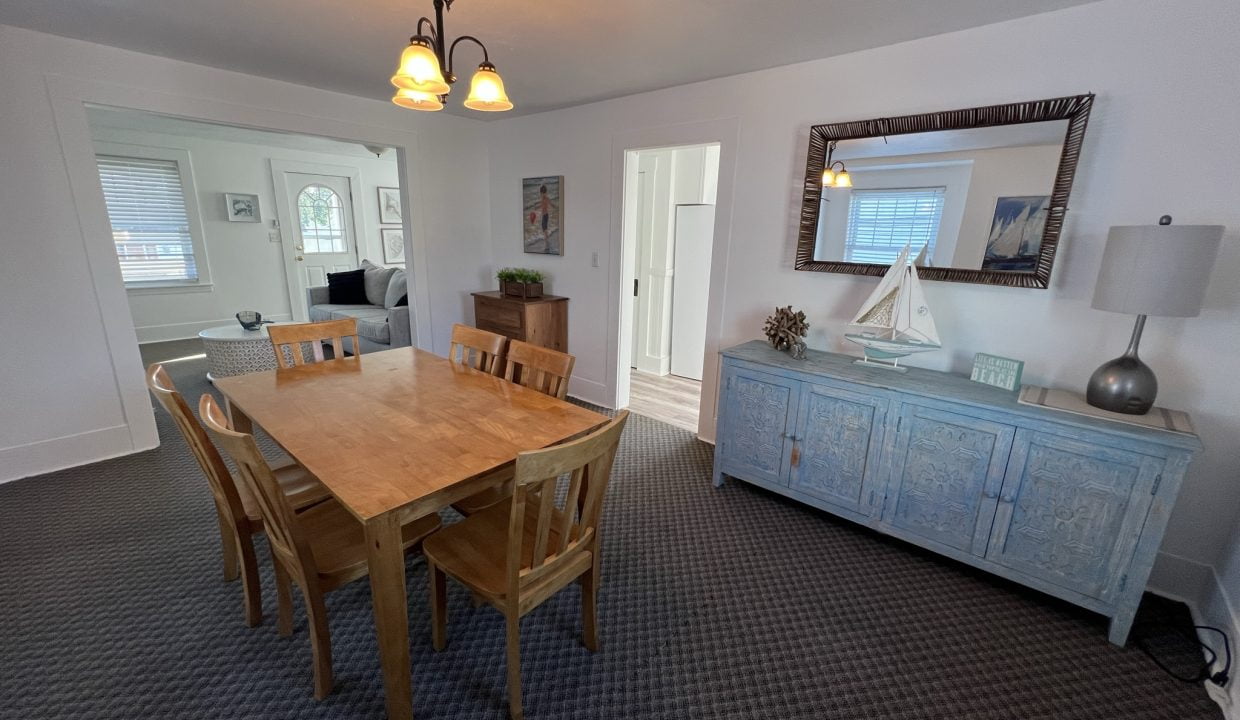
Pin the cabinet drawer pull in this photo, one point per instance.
(990, 494)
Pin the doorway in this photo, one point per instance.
(669, 218)
(318, 213)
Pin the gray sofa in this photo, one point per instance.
(382, 324)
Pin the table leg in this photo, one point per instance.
(240, 421)
(386, 557)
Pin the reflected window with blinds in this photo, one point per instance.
(150, 221)
(882, 222)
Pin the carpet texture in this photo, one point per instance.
(729, 603)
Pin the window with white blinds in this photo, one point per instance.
(150, 221)
(882, 222)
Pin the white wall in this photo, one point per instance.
(247, 270)
(1172, 109)
(67, 400)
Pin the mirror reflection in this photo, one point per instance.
(975, 198)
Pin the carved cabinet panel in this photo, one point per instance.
(758, 411)
(1070, 511)
(947, 471)
(838, 438)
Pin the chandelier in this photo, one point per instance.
(421, 81)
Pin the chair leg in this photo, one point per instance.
(589, 609)
(228, 547)
(284, 600)
(514, 665)
(439, 606)
(320, 643)
(251, 584)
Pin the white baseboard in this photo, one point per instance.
(1197, 586)
(184, 331)
(590, 391)
(21, 461)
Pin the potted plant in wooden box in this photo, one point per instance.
(520, 282)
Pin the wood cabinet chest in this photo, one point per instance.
(1070, 505)
(539, 321)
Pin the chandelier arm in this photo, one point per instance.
(430, 34)
(486, 58)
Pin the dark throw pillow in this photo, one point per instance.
(347, 288)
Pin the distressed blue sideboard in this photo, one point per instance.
(1070, 505)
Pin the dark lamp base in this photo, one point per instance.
(1123, 385)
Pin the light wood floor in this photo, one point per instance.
(669, 398)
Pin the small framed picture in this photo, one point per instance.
(241, 207)
(390, 211)
(393, 245)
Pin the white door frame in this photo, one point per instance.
(279, 181)
(69, 97)
(726, 132)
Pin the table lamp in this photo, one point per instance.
(1159, 270)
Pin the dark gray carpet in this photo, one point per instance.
(728, 603)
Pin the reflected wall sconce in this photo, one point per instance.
(832, 178)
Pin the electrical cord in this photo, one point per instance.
(1203, 674)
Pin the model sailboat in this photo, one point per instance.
(895, 319)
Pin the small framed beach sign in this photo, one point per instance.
(998, 371)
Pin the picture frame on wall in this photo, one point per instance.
(242, 207)
(542, 216)
(393, 240)
(390, 210)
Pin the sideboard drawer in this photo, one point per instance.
(947, 471)
(498, 317)
(1070, 511)
(756, 425)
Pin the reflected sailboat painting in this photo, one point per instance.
(1016, 233)
(894, 320)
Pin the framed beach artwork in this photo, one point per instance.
(1016, 231)
(542, 205)
(390, 211)
(393, 245)
(241, 207)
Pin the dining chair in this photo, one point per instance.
(235, 507)
(538, 368)
(321, 548)
(479, 349)
(519, 553)
(290, 341)
(543, 369)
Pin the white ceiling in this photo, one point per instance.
(1027, 134)
(551, 53)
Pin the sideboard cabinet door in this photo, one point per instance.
(1071, 512)
(756, 430)
(839, 434)
(947, 471)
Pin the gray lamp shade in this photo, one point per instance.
(1159, 270)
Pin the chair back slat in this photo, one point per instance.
(290, 342)
(560, 532)
(479, 349)
(220, 480)
(284, 534)
(538, 368)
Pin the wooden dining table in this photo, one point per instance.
(395, 436)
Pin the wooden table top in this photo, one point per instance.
(400, 427)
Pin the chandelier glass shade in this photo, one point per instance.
(419, 70)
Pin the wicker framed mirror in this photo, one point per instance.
(979, 194)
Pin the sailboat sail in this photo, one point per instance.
(878, 310)
(913, 319)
